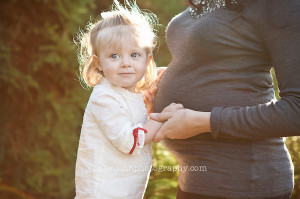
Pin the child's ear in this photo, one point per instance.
(97, 62)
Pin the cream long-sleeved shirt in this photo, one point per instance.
(104, 167)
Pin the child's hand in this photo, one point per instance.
(149, 94)
(172, 107)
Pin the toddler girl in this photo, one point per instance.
(114, 154)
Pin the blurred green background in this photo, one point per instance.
(42, 102)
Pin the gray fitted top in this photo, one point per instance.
(221, 63)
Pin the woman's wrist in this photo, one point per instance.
(201, 121)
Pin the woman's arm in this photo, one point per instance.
(280, 33)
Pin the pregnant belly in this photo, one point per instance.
(187, 89)
(203, 89)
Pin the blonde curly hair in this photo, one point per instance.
(126, 22)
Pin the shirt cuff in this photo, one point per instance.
(215, 121)
(138, 135)
(141, 139)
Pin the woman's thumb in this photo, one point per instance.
(161, 117)
(158, 137)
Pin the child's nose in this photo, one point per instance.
(126, 62)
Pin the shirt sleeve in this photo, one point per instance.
(114, 118)
(280, 31)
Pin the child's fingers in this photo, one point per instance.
(160, 74)
(147, 97)
(153, 89)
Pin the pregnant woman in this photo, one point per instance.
(222, 54)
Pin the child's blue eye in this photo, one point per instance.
(135, 55)
(114, 56)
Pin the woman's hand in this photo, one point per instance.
(153, 126)
(172, 107)
(181, 124)
(149, 94)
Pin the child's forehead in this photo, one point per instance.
(123, 45)
(119, 37)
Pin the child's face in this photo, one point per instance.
(124, 66)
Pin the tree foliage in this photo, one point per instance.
(42, 101)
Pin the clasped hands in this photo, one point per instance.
(179, 123)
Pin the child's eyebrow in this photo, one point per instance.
(137, 49)
(112, 50)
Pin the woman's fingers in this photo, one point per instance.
(161, 117)
(159, 136)
(172, 107)
(178, 106)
